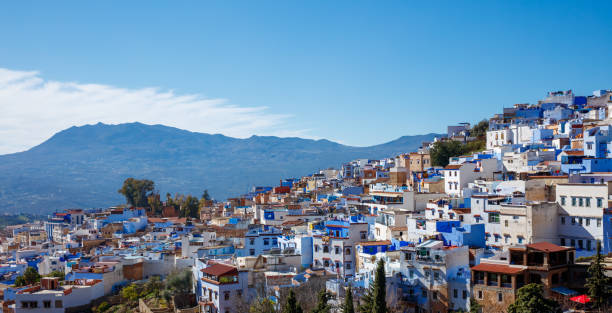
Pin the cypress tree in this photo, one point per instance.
(367, 299)
(598, 283)
(379, 304)
(292, 306)
(322, 305)
(348, 301)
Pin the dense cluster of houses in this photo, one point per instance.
(522, 211)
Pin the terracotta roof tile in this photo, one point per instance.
(497, 268)
(547, 247)
(219, 269)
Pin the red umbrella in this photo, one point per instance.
(581, 298)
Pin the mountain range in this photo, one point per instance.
(83, 167)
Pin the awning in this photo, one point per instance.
(564, 291)
(581, 299)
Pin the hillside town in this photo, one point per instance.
(471, 222)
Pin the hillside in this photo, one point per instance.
(83, 167)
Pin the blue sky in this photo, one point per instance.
(358, 72)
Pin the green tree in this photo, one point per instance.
(262, 305)
(292, 305)
(367, 301)
(190, 207)
(130, 293)
(179, 283)
(137, 191)
(475, 307)
(598, 284)
(322, 305)
(480, 130)
(57, 274)
(154, 286)
(530, 299)
(29, 277)
(347, 307)
(102, 307)
(205, 195)
(443, 150)
(379, 304)
(154, 202)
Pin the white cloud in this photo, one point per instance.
(32, 109)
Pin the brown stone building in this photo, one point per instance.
(495, 283)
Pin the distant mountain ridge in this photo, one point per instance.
(83, 167)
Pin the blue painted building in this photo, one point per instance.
(260, 240)
(472, 235)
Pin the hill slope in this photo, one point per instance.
(85, 166)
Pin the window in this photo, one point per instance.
(251, 251)
(580, 221)
(580, 244)
(506, 223)
(274, 241)
(562, 200)
(563, 241)
(266, 241)
(573, 242)
(252, 241)
(427, 274)
(435, 295)
(363, 235)
(455, 293)
(436, 276)
(411, 273)
(494, 218)
(587, 202)
(573, 201)
(347, 265)
(479, 294)
(348, 251)
(464, 294)
(588, 244)
(573, 221)
(47, 303)
(336, 250)
(325, 249)
(24, 304)
(598, 222)
(408, 256)
(226, 295)
(599, 202)
(580, 202)
(500, 297)
(587, 221)
(424, 292)
(562, 220)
